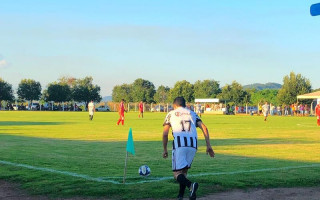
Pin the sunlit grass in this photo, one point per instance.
(68, 141)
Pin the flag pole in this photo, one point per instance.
(125, 168)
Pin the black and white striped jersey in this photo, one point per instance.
(183, 123)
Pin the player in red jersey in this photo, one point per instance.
(318, 113)
(141, 109)
(121, 112)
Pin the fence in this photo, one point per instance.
(134, 107)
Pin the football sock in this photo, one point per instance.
(182, 189)
(183, 180)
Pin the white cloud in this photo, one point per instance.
(3, 62)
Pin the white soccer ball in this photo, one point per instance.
(144, 170)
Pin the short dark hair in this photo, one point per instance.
(180, 101)
(122, 99)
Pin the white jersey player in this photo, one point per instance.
(265, 110)
(184, 123)
(91, 110)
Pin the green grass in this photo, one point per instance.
(68, 141)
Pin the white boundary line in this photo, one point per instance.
(58, 172)
(149, 180)
(304, 125)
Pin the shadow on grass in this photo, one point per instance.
(102, 159)
(26, 123)
(256, 141)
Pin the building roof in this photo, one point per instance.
(313, 95)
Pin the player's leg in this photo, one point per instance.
(181, 178)
(191, 152)
(122, 119)
(181, 160)
(119, 120)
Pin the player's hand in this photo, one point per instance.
(210, 152)
(165, 154)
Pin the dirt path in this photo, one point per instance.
(9, 191)
(268, 194)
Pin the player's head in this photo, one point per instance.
(122, 100)
(179, 102)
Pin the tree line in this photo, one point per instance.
(83, 90)
(234, 93)
(64, 90)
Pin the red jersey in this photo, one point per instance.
(121, 107)
(318, 110)
(141, 107)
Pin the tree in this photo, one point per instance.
(6, 92)
(234, 93)
(70, 81)
(122, 92)
(293, 85)
(182, 89)
(143, 90)
(206, 89)
(269, 95)
(58, 92)
(29, 89)
(162, 94)
(247, 99)
(84, 90)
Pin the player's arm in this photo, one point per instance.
(205, 132)
(166, 129)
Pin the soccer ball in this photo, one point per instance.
(144, 170)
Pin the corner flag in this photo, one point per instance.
(130, 148)
(130, 144)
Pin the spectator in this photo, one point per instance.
(286, 112)
(306, 110)
(259, 109)
(279, 110)
(271, 109)
(301, 109)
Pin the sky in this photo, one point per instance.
(164, 41)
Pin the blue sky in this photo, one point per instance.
(163, 41)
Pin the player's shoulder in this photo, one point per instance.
(171, 113)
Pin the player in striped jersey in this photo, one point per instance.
(183, 123)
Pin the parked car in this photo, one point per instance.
(157, 108)
(160, 108)
(103, 109)
(15, 107)
(35, 106)
(252, 109)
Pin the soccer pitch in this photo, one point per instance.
(63, 154)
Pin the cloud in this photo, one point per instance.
(3, 62)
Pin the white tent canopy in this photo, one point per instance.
(206, 100)
(313, 95)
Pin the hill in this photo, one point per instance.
(260, 86)
(107, 98)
